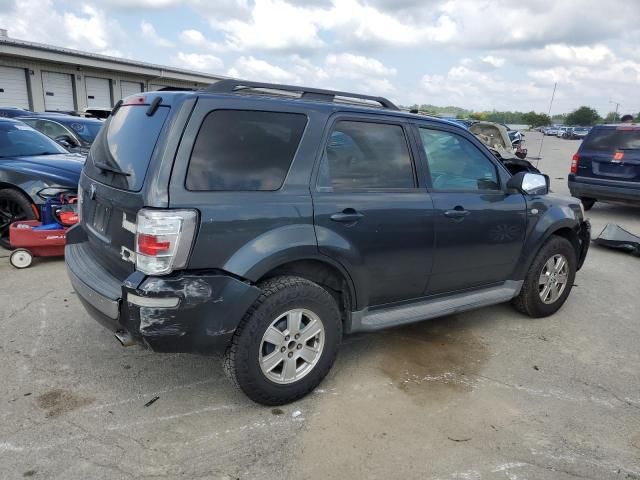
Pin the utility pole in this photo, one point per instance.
(617, 106)
(553, 95)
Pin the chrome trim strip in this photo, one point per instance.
(153, 302)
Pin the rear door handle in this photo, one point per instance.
(348, 215)
(456, 213)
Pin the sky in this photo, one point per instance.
(475, 54)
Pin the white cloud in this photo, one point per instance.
(307, 71)
(251, 68)
(90, 30)
(149, 33)
(356, 66)
(198, 61)
(274, 25)
(142, 4)
(479, 90)
(570, 55)
(496, 62)
(196, 38)
(362, 24)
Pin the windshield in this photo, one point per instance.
(17, 139)
(611, 139)
(87, 131)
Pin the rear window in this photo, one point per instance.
(612, 139)
(125, 144)
(87, 131)
(244, 150)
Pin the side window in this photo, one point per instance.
(361, 155)
(244, 150)
(52, 129)
(32, 123)
(456, 164)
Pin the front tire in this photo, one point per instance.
(286, 343)
(14, 206)
(549, 280)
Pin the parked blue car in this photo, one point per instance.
(31, 165)
(76, 134)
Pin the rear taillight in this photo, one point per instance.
(574, 163)
(164, 239)
(618, 156)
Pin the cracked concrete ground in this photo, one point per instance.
(483, 395)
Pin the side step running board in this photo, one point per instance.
(370, 320)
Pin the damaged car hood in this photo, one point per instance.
(494, 136)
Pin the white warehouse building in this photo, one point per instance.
(42, 77)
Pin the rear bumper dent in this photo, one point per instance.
(192, 312)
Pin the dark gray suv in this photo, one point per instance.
(265, 221)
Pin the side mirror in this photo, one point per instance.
(529, 183)
(66, 141)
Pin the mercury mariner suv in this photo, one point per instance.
(265, 221)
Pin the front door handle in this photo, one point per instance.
(457, 213)
(348, 215)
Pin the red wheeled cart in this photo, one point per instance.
(32, 238)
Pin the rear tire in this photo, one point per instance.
(588, 203)
(14, 206)
(270, 359)
(543, 274)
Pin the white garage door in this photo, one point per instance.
(13, 88)
(98, 92)
(155, 86)
(130, 88)
(58, 91)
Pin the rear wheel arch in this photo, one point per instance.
(324, 273)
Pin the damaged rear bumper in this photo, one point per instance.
(194, 312)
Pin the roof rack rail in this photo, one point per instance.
(232, 86)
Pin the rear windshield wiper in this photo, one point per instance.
(106, 168)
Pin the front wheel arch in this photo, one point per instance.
(15, 196)
(16, 188)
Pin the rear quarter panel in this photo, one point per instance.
(249, 233)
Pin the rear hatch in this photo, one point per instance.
(611, 152)
(113, 180)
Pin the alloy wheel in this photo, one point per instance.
(291, 346)
(553, 278)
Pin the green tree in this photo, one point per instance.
(583, 116)
(612, 117)
(534, 119)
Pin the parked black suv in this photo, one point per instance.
(607, 165)
(267, 220)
